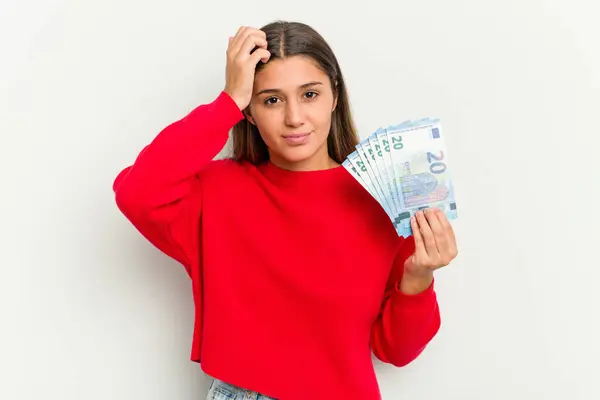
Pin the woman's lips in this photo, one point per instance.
(296, 138)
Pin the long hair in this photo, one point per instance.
(287, 39)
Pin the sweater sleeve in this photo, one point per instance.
(406, 323)
(159, 194)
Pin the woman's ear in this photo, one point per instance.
(335, 96)
(248, 116)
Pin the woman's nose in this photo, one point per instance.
(293, 114)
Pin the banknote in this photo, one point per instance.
(378, 144)
(367, 166)
(355, 165)
(365, 153)
(406, 168)
(422, 171)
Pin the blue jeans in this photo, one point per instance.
(220, 390)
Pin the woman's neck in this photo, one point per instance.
(319, 161)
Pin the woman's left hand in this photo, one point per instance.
(435, 244)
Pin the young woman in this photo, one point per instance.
(297, 274)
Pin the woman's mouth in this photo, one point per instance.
(296, 138)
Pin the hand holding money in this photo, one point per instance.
(435, 247)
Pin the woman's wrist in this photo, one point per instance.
(412, 284)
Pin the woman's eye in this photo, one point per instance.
(271, 100)
(311, 95)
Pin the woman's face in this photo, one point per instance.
(291, 106)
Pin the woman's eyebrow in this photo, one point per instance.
(303, 86)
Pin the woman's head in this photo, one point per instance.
(299, 115)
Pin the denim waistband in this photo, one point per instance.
(220, 390)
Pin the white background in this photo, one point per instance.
(91, 311)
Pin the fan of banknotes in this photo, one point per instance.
(405, 168)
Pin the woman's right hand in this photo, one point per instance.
(241, 63)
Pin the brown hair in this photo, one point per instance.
(287, 39)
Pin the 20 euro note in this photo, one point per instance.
(380, 156)
(370, 169)
(421, 171)
(405, 168)
(392, 136)
(371, 166)
(354, 168)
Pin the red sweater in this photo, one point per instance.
(295, 275)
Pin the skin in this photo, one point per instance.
(435, 247)
(291, 96)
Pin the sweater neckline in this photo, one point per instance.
(285, 177)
